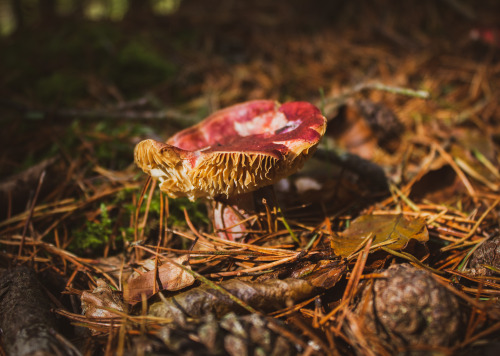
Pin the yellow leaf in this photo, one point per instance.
(383, 228)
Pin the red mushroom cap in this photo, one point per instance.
(235, 150)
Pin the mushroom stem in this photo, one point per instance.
(234, 217)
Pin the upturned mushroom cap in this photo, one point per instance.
(235, 150)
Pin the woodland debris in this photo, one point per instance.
(369, 173)
(231, 335)
(442, 168)
(392, 231)
(102, 302)
(384, 123)
(486, 259)
(406, 309)
(269, 295)
(166, 276)
(27, 323)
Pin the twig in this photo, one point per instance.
(32, 208)
(341, 99)
(119, 112)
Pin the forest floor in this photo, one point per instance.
(387, 241)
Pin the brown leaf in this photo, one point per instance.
(96, 304)
(382, 228)
(266, 296)
(169, 277)
(324, 274)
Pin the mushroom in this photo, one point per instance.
(233, 152)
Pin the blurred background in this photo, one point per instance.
(82, 81)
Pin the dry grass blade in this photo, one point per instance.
(264, 267)
(458, 171)
(213, 285)
(474, 228)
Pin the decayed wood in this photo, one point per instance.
(28, 326)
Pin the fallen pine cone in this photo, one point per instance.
(409, 311)
(231, 335)
(384, 123)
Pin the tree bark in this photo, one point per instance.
(27, 324)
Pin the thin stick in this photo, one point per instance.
(137, 210)
(32, 208)
(148, 205)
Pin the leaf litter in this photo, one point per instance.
(419, 250)
(391, 231)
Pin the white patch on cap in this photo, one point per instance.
(268, 122)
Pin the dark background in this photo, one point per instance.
(87, 79)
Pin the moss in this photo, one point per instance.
(196, 210)
(138, 67)
(61, 87)
(90, 50)
(96, 233)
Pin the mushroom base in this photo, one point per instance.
(236, 217)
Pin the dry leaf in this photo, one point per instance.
(382, 228)
(167, 277)
(326, 275)
(266, 296)
(96, 304)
